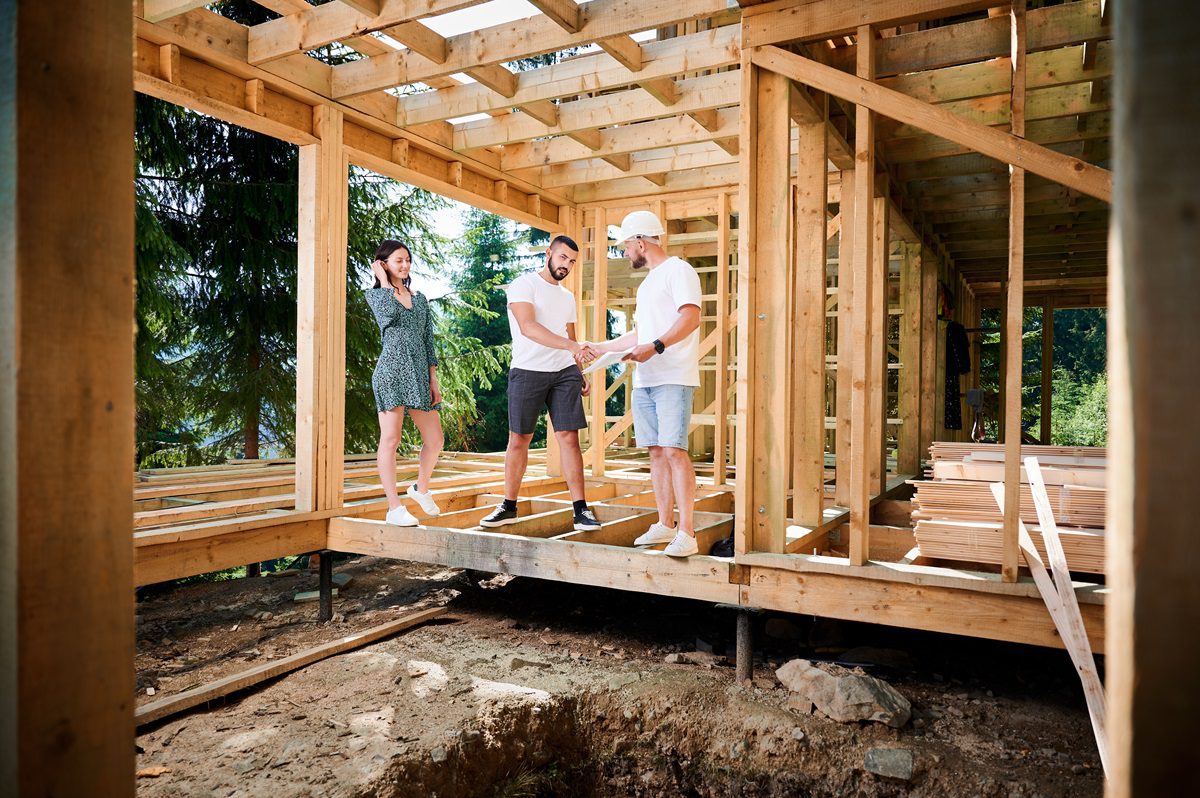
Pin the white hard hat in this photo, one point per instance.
(640, 223)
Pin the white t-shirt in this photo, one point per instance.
(668, 287)
(554, 309)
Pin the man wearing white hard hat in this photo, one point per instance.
(665, 344)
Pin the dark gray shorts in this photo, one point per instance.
(531, 392)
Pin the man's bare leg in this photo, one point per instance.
(683, 480)
(516, 458)
(571, 458)
(660, 480)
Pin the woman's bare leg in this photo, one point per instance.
(429, 424)
(391, 422)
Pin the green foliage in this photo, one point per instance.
(489, 254)
(1079, 410)
(1079, 389)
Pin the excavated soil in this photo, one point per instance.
(529, 688)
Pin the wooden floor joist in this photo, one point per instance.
(172, 705)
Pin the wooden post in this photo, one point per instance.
(878, 343)
(843, 438)
(1047, 370)
(66, 399)
(1154, 291)
(763, 283)
(721, 408)
(1014, 311)
(907, 455)
(808, 328)
(321, 315)
(600, 331)
(929, 351)
(864, 305)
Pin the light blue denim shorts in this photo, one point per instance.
(662, 415)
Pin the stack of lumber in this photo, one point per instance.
(955, 516)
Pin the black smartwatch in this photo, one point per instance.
(659, 346)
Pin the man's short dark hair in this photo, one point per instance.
(566, 241)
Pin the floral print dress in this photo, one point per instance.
(401, 376)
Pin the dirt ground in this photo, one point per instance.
(528, 688)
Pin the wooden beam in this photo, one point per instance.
(320, 318)
(1154, 290)
(66, 386)
(600, 333)
(158, 10)
(495, 77)
(623, 49)
(721, 409)
(1014, 311)
(822, 19)
(808, 326)
(168, 62)
(930, 390)
(865, 300)
(662, 89)
(174, 704)
(256, 96)
(420, 39)
(320, 25)
(877, 342)
(699, 95)
(763, 282)
(846, 352)
(514, 40)
(543, 111)
(709, 49)
(1071, 172)
(565, 13)
(908, 456)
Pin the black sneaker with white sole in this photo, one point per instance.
(585, 521)
(499, 517)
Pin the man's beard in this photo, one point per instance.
(559, 274)
(638, 262)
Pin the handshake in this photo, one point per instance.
(586, 352)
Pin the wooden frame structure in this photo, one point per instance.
(840, 174)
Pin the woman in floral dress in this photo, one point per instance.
(405, 378)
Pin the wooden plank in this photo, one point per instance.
(1071, 172)
(320, 320)
(763, 281)
(1072, 630)
(864, 305)
(1014, 309)
(912, 327)
(600, 333)
(511, 41)
(699, 577)
(808, 326)
(66, 398)
(783, 21)
(710, 49)
(173, 705)
(877, 345)
(721, 410)
(845, 345)
(1154, 290)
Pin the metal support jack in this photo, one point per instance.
(326, 565)
(745, 640)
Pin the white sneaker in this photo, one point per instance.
(657, 533)
(684, 545)
(428, 505)
(401, 517)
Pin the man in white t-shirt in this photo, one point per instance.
(666, 346)
(545, 375)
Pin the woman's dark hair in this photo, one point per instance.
(385, 250)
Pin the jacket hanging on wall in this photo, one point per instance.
(958, 361)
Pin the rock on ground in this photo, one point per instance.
(846, 698)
